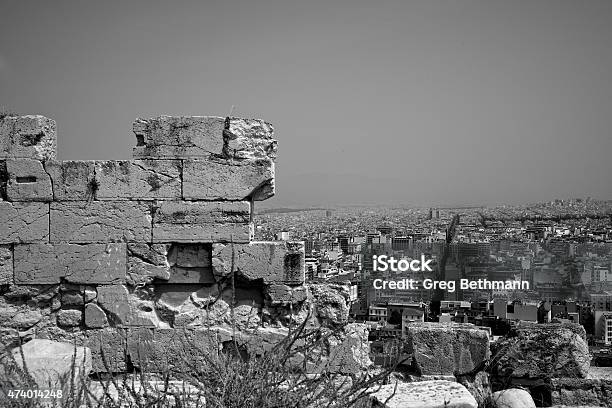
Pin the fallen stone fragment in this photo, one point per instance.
(249, 139)
(27, 181)
(331, 306)
(88, 264)
(512, 398)
(23, 222)
(178, 136)
(52, 364)
(138, 179)
(221, 179)
(27, 137)
(72, 180)
(272, 262)
(100, 221)
(423, 394)
(447, 348)
(202, 222)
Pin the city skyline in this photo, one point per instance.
(399, 103)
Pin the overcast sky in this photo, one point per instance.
(374, 102)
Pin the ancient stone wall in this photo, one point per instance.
(117, 253)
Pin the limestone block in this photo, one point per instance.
(283, 294)
(249, 139)
(178, 136)
(138, 179)
(202, 222)
(447, 349)
(95, 318)
(108, 349)
(100, 221)
(126, 309)
(538, 351)
(49, 263)
(69, 317)
(423, 394)
(23, 222)
(221, 179)
(147, 262)
(272, 262)
(512, 398)
(6, 265)
(52, 364)
(27, 137)
(26, 180)
(72, 180)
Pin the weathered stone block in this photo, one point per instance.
(23, 222)
(447, 349)
(178, 136)
(578, 392)
(6, 265)
(423, 394)
(72, 180)
(95, 318)
(249, 139)
(26, 180)
(147, 262)
(202, 222)
(126, 309)
(100, 221)
(28, 137)
(49, 263)
(108, 349)
(537, 351)
(272, 262)
(284, 294)
(69, 317)
(138, 179)
(221, 179)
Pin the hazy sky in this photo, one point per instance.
(374, 102)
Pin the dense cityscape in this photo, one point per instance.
(555, 256)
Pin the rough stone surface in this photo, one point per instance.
(51, 363)
(147, 262)
(72, 180)
(512, 398)
(30, 137)
(108, 349)
(479, 385)
(284, 294)
(424, 394)
(138, 179)
(271, 262)
(49, 263)
(249, 139)
(202, 222)
(447, 349)
(542, 351)
(331, 306)
(95, 318)
(23, 222)
(221, 179)
(27, 181)
(69, 318)
(581, 392)
(178, 136)
(350, 354)
(6, 265)
(100, 221)
(125, 309)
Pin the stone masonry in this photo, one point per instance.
(107, 252)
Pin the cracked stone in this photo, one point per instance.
(29, 137)
(23, 222)
(249, 139)
(147, 262)
(138, 179)
(284, 294)
(72, 180)
(202, 222)
(220, 179)
(90, 264)
(100, 221)
(126, 309)
(6, 265)
(178, 136)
